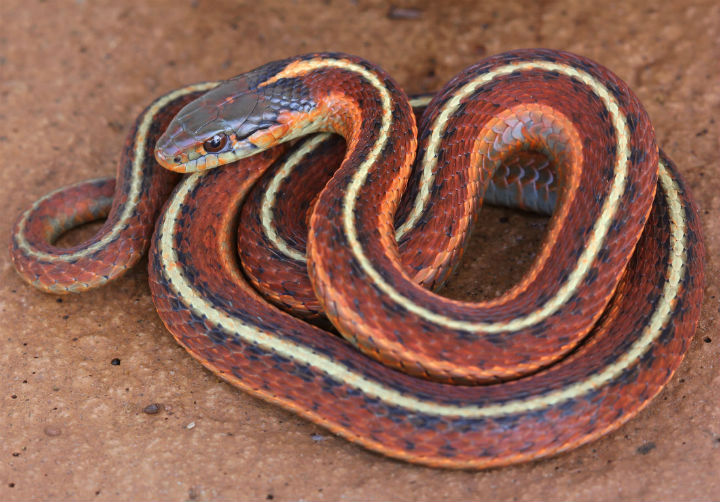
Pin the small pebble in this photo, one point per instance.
(646, 448)
(152, 409)
(191, 425)
(404, 13)
(115, 362)
(52, 431)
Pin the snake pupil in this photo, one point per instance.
(216, 143)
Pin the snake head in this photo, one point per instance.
(240, 117)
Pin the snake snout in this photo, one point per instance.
(168, 153)
(164, 159)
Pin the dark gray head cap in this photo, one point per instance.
(224, 110)
(239, 106)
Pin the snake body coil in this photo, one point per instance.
(586, 339)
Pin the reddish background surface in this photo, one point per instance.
(73, 76)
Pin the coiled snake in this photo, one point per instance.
(579, 346)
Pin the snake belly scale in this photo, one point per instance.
(583, 343)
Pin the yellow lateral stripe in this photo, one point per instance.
(270, 195)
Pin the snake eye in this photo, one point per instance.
(216, 143)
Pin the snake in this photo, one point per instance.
(579, 346)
